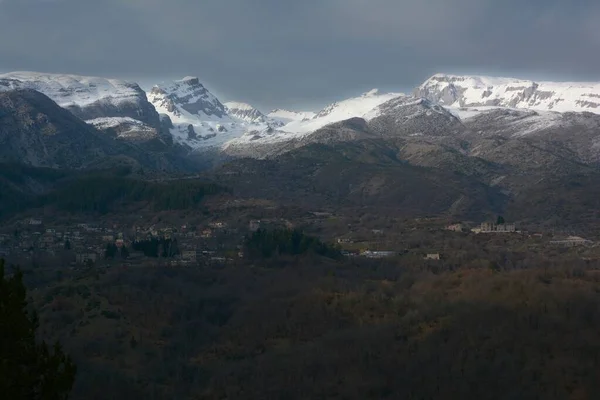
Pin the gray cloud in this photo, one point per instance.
(302, 53)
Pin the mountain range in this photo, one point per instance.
(193, 117)
(509, 140)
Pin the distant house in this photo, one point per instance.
(207, 233)
(254, 225)
(33, 221)
(344, 240)
(378, 254)
(217, 225)
(490, 227)
(433, 256)
(572, 241)
(377, 231)
(455, 228)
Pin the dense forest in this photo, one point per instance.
(318, 327)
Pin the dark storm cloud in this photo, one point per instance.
(279, 52)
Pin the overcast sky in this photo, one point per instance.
(302, 53)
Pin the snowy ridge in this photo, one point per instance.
(106, 102)
(73, 90)
(200, 120)
(339, 111)
(481, 91)
(245, 112)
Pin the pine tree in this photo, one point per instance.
(124, 252)
(111, 250)
(28, 369)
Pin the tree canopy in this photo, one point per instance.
(28, 369)
(268, 243)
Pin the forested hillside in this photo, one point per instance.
(318, 328)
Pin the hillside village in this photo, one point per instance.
(211, 241)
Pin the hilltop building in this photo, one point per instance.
(490, 227)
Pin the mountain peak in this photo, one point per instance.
(190, 80)
(370, 93)
(236, 105)
(186, 99)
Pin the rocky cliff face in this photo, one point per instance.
(36, 131)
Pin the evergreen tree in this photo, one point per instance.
(500, 220)
(28, 370)
(124, 252)
(111, 250)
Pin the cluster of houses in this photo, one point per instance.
(30, 237)
(86, 243)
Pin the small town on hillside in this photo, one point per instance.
(212, 243)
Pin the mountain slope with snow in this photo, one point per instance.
(409, 116)
(339, 111)
(284, 117)
(199, 119)
(480, 91)
(88, 98)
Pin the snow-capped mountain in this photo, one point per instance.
(245, 112)
(480, 91)
(186, 98)
(198, 118)
(90, 98)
